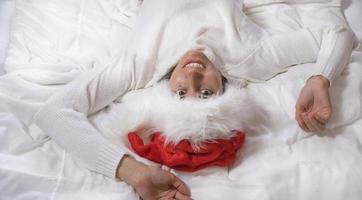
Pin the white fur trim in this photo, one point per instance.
(158, 109)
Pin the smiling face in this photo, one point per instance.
(196, 76)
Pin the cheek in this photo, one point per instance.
(172, 83)
(214, 77)
(176, 79)
(173, 76)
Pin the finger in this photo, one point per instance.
(308, 123)
(321, 119)
(298, 116)
(323, 113)
(323, 106)
(302, 124)
(299, 109)
(317, 125)
(180, 196)
(180, 186)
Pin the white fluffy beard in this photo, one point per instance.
(197, 120)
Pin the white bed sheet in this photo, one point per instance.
(279, 161)
(353, 14)
(6, 12)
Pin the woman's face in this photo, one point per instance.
(196, 76)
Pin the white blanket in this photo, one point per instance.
(279, 160)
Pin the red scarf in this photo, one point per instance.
(183, 156)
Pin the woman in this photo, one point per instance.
(200, 39)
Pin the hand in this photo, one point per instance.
(313, 107)
(152, 183)
(163, 185)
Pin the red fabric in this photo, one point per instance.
(183, 157)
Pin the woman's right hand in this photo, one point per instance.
(152, 183)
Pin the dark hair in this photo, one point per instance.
(168, 75)
(223, 81)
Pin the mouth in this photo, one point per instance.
(196, 65)
(194, 60)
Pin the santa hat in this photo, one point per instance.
(163, 127)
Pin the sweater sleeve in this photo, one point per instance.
(64, 117)
(336, 44)
(328, 47)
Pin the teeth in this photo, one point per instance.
(195, 65)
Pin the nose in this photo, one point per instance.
(195, 74)
(194, 78)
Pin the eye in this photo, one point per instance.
(204, 94)
(181, 93)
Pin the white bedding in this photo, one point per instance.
(6, 11)
(353, 13)
(279, 160)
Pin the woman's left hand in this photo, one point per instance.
(313, 107)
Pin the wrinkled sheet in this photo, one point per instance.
(278, 161)
(6, 12)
